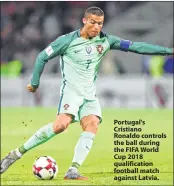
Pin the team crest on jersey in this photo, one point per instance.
(100, 49)
(66, 106)
(88, 49)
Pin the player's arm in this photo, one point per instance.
(55, 48)
(137, 47)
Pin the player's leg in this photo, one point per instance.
(91, 117)
(47, 132)
(42, 135)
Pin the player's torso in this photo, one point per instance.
(80, 64)
(85, 53)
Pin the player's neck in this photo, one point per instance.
(84, 34)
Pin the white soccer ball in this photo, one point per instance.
(45, 168)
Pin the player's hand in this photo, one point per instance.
(31, 89)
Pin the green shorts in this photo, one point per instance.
(71, 103)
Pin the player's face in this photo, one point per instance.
(93, 25)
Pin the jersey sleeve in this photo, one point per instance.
(56, 48)
(137, 47)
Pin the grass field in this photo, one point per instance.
(18, 124)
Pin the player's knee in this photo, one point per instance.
(61, 123)
(90, 123)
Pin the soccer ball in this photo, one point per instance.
(45, 168)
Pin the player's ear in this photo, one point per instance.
(84, 20)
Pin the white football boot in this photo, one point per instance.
(8, 161)
(73, 174)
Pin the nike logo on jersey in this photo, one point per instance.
(76, 51)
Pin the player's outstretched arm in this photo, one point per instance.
(55, 48)
(149, 49)
(138, 47)
(51, 51)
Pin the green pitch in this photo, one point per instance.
(18, 124)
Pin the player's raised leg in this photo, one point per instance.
(89, 125)
(42, 135)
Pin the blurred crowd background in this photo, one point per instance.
(28, 27)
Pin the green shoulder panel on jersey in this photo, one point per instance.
(56, 48)
(59, 46)
(114, 41)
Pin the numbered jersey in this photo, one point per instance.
(80, 64)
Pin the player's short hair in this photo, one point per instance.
(94, 10)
